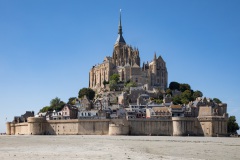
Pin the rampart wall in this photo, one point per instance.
(183, 126)
(212, 126)
(176, 126)
(151, 127)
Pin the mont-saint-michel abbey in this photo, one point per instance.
(137, 102)
(125, 61)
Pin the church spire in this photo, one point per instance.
(120, 25)
(155, 56)
(120, 38)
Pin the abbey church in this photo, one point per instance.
(125, 61)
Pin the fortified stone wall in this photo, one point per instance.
(177, 126)
(12, 130)
(185, 126)
(21, 128)
(118, 129)
(205, 111)
(76, 127)
(93, 127)
(151, 127)
(212, 126)
(61, 127)
(8, 128)
(219, 127)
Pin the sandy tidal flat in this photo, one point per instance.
(117, 147)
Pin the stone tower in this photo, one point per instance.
(122, 53)
(125, 62)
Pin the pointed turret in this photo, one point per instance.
(154, 70)
(155, 56)
(120, 24)
(120, 38)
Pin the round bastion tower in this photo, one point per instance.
(8, 125)
(119, 127)
(36, 125)
(183, 126)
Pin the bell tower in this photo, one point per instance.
(122, 53)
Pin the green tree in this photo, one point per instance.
(174, 86)
(168, 92)
(45, 109)
(216, 100)
(158, 101)
(56, 104)
(130, 84)
(183, 87)
(114, 77)
(113, 85)
(177, 100)
(90, 94)
(197, 94)
(105, 82)
(186, 96)
(184, 101)
(72, 100)
(232, 125)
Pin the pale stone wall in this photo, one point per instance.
(213, 126)
(93, 127)
(12, 128)
(207, 128)
(75, 126)
(21, 128)
(219, 127)
(177, 126)
(205, 111)
(184, 126)
(135, 73)
(150, 127)
(62, 127)
(36, 125)
(118, 129)
(8, 130)
(99, 73)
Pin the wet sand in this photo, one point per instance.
(117, 147)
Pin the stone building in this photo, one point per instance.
(69, 112)
(24, 117)
(125, 61)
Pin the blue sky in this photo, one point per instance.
(48, 47)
